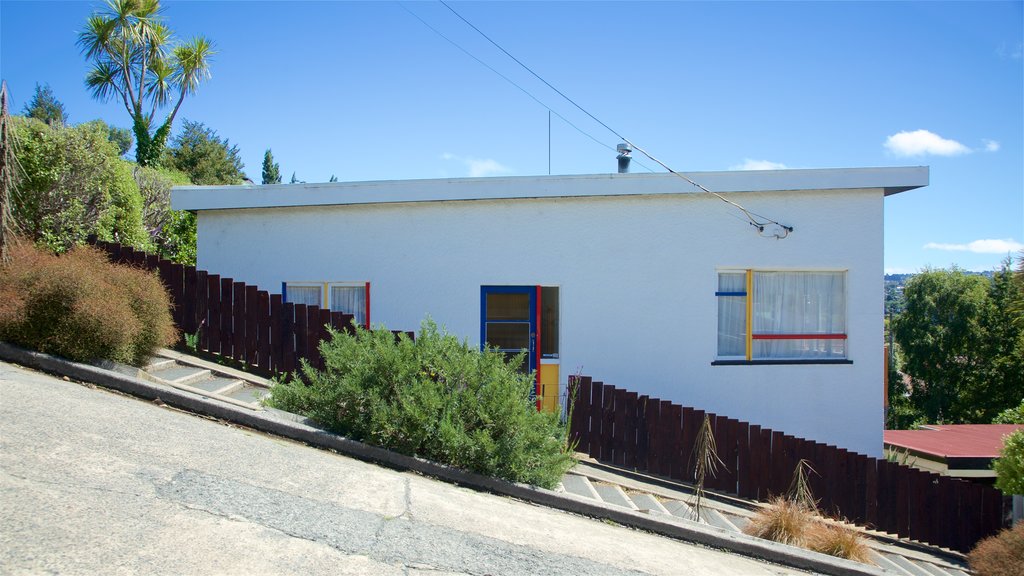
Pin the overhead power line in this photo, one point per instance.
(512, 82)
(751, 216)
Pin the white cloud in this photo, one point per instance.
(991, 145)
(749, 164)
(987, 246)
(1015, 52)
(923, 142)
(477, 167)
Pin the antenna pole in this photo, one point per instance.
(549, 142)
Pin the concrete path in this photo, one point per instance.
(96, 482)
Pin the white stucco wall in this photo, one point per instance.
(637, 278)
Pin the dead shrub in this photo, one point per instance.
(999, 555)
(80, 306)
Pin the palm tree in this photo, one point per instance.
(135, 60)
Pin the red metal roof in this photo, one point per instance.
(954, 440)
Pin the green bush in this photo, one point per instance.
(1009, 466)
(436, 398)
(1014, 415)
(74, 184)
(999, 555)
(80, 306)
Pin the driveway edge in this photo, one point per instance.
(301, 429)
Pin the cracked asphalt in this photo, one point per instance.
(95, 482)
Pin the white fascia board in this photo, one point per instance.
(891, 180)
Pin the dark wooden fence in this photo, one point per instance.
(236, 320)
(657, 437)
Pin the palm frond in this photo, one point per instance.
(159, 83)
(95, 37)
(102, 80)
(192, 64)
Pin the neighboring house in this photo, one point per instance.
(639, 280)
(958, 450)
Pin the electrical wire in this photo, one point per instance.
(759, 224)
(513, 83)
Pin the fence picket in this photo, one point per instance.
(596, 422)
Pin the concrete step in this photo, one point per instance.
(612, 494)
(909, 566)
(715, 518)
(157, 363)
(247, 393)
(681, 509)
(647, 503)
(934, 569)
(741, 522)
(179, 374)
(884, 561)
(218, 384)
(579, 486)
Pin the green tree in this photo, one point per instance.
(938, 333)
(1010, 465)
(121, 137)
(178, 238)
(962, 344)
(205, 157)
(172, 232)
(294, 179)
(1002, 350)
(136, 62)
(271, 170)
(333, 178)
(1016, 304)
(1014, 415)
(74, 184)
(8, 177)
(45, 106)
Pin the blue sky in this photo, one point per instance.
(365, 91)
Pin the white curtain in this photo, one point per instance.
(732, 315)
(799, 303)
(309, 295)
(350, 300)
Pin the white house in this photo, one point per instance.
(642, 281)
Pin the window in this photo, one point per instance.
(773, 315)
(348, 297)
(308, 294)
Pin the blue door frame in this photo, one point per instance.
(533, 293)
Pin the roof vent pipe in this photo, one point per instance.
(623, 157)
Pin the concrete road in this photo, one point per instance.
(92, 482)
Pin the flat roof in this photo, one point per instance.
(953, 440)
(891, 180)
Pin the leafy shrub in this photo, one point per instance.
(1013, 415)
(80, 306)
(434, 397)
(999, 555)
(1009, 466)
(74, 184)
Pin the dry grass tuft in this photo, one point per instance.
(999, 555)
(798, 524)
(838, 541)
(782, 521)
